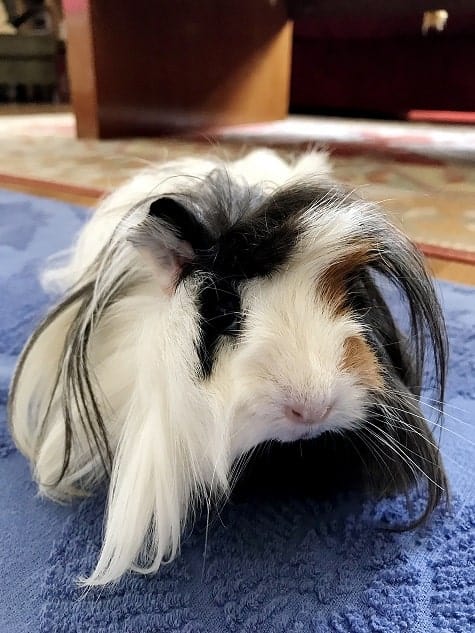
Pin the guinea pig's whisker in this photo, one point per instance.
(376, 455)
(394, 445)
(369, 434)
(440, 411)
(447, 415)
(376, 450)
(437, 424)
(444, 404)
(425, 400)
(387, 439)
(400, 454)
(408, 426)
(446, 429)
(241, 463)
(398, 422)
(410, 450)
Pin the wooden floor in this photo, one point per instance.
(452, 271)
(67, 193)
(33, 108)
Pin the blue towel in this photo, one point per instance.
(280, 566)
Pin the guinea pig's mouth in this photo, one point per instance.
(308, 432)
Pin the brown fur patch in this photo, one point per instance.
(359, 360)
(332, 284)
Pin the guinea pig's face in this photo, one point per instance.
(281, 354)
(298, 365)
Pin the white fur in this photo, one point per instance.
(174, 439)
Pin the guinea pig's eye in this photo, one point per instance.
(227, 319)
(231, 323)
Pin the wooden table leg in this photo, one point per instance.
(147, 67)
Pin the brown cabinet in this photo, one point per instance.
(372, 56)
(147, 67)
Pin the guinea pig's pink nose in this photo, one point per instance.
(303, 413)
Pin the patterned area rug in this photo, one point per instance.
(423, 174)
(288, 567)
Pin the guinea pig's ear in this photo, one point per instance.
(170, 237)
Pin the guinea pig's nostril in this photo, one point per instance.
(294, 413)
(306, 413)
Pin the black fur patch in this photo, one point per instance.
(239, 237)
(254, 248)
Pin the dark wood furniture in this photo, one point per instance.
(371, 57)
(146, 67)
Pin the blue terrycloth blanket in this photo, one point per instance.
(298, 567)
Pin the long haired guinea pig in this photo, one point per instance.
(209, 309)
